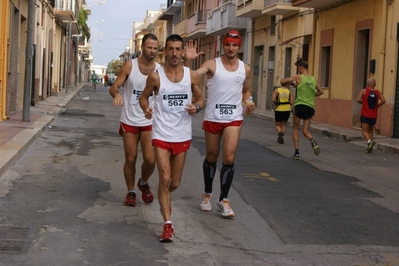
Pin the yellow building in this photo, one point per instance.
(353, 41)
(3, 57)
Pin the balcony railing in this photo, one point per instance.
(177, 18)
(202, 15)
(272, 2)
(68, 5)
(223, 18)
(279, 7)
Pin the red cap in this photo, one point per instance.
(232, 36)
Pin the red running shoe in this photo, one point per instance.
(130, 199)
(167, 234)
(146, 195)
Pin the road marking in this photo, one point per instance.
(260, 175)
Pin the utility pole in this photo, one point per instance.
(77, 62)
(28, 62)
(68, 59)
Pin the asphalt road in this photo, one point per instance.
(62, 203)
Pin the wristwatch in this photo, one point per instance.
(198, 108)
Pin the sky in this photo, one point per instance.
(110, 38)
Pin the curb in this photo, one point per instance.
(342, 136)
(321, 130)
(15, 148)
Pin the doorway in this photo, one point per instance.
(270, 78)
(288, 62)
(257, 75)
(362, 51)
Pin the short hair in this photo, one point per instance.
(284, 83)
(174, 38)
(303, 64)
(149, 36)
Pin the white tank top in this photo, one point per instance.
(132, 114)
(225, 94)
(171, 122)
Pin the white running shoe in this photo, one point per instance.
(224, 207)
(205, 205)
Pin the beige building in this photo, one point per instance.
(55, 60)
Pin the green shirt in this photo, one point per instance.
(306, 91)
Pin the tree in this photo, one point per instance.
(82, 23)
(114, 67)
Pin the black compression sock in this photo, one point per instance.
(226, 179)
(209, 170)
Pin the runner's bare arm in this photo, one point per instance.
(151, 86)
(360, 96)
(198, 102)
(120, 79)
(382, 100)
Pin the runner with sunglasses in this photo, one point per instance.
(228, 88)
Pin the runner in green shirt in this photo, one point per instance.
(307, 90)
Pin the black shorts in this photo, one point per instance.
(303, 111)
(281, 116)
(368, 120)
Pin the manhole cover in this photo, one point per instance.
(16, 240)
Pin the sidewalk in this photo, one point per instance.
(384, 144)
(17, 136)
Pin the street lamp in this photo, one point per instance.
(99, 3)
(98, 21)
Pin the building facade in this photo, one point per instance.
(56, 61)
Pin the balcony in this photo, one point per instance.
(313, 3)
(68, 11)
(171, 11)
(84, 51)
(223, 18)
(279, 7)
(249, 8)
(181, 28)
(197, 24)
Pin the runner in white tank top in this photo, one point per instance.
(172, 123)
(228, 88)
(132, 114)
(174, 87)
(225, 94)
(134, 127)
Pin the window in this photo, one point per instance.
(325, 66)
(326, 48)
(273, 25)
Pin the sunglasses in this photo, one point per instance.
(232, 35)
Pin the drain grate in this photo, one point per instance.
(15, 240)
(11, 246)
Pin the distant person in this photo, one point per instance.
(228, 89)
(134, 127)
(282, 99)
(173, 86)
(371, 99)
(94, 79)
(106, 80)
(307, 90)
